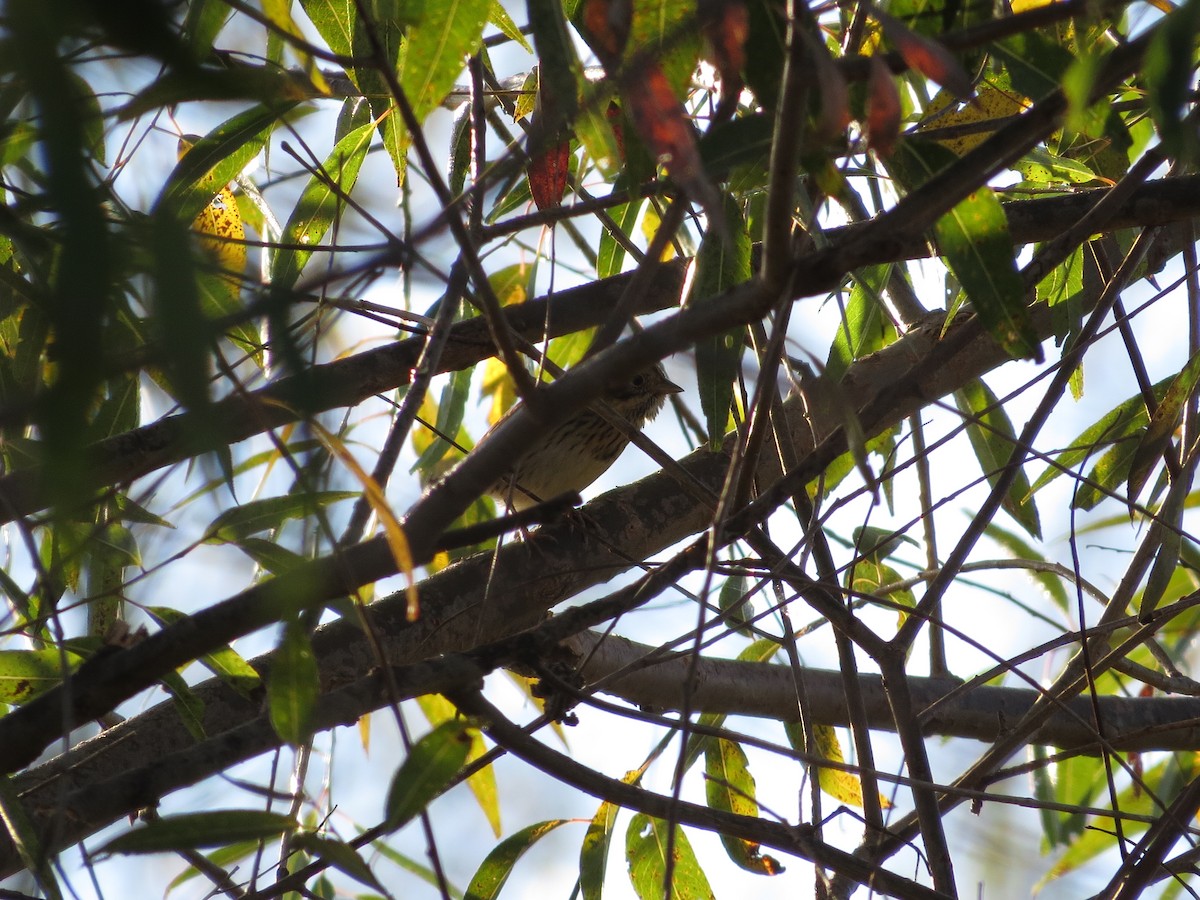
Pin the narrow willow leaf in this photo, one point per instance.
(729, 787)
(646, 855)
(1157, 438)
(320, 204)
(293, 686)
(974, 239)
(1123, 420)
(451, 411)
(225, 662)
(593, 855)
(722, 262)
(1166, 779)
(337, 853)
(557, 61)
(438, 709)
(26, 673)
(1021, 549)
(1166, 560)
(195, 830)
(215, 160)
(735, 607)
(864, 328)
(993, 438)
(435, 48)
(25, 839)
(499, 17)
(269, 513)
(335, 22)
(187, 704)
(493, 872)
(432, 763)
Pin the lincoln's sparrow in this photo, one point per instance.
(576, 452)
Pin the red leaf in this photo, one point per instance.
(663, 126)
(927, 56)
(548, 175)
(883, 108)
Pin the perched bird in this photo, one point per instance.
(577, 451)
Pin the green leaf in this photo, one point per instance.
(225, 662)
(1043, 167)
(436, 47)
(729, 787)
(187, 704)
(593, 855)
(320, 204)
(293, 685)
(610, 258)
(204, 21)
(646, 853)
(337, 853)
(25, 839)
(1166, 559)
(734, 605)
(974, 239)
(195, 830)
(499, 17)
(1163, 780)
(558, 65)
(993, 439)
(1019, 548)
(269, 555)
(269, 513)
(215, 160)
(864, 328)
(451, 408)
(336, 23)
(1157, 437)
(493, 872)
(26, 673)
(1035, 64)
(434, 879)
(1122, 421)
(438, 709)
(431, 765)
(1167, 74)
(178, 313)
(722, 262)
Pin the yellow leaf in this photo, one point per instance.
(991, 103)
(836, 783)
(393, 531)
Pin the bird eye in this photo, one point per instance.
(638, 380)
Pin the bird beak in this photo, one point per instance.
(670, 387)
